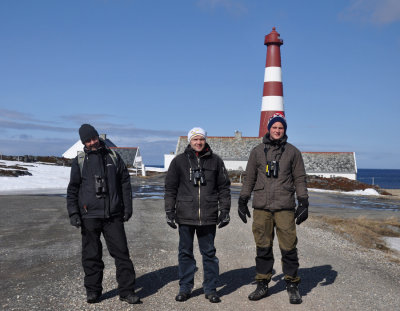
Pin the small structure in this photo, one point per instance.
(73, 151)
(130, 155)
(132, 158)
(331, 164)
(234, 151)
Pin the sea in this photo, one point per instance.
(384, 178)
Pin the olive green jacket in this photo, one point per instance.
(272, 193)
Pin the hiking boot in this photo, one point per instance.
(181, 297)
(293, 291)
(93, 297)
(213, 297)
(130, 298)
(261, 290)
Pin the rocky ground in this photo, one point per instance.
(40, 265)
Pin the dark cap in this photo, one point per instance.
(277, 117)
(87, 132)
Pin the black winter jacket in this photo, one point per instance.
(197, 204)
(81, 192)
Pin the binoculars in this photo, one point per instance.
(101, 186)
(272, 169)
(198, 176)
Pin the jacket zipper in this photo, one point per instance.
(199, 184)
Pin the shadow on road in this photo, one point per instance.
(150, 283)
(310, 278)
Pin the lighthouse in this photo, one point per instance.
(272, 101)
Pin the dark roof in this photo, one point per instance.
(228, 148)
(238, 148)
(127, 154)
(109, 143)
(330, 162)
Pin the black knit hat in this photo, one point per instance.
(277, 117)
(87, 132)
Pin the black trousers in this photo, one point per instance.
(92, 252)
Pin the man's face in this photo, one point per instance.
(198, 143)
(277, 131)
(93, 143)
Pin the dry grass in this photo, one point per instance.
(366, 232)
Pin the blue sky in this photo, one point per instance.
(145, 72)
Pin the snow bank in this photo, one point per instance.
(368, 191)
(44, 178)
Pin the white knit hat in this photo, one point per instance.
(196, 131)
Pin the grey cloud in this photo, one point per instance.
(32, 126)
(234, 7)
(16, 115)
(83, 118)
(32, 146)
(373, 11)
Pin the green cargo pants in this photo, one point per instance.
(265, 223)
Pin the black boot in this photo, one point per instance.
(293, 291)
(131, 298)
(93, 297)
(261, 290)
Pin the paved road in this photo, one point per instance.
(40, 265)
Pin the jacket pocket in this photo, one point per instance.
(211, 209)
(259, 186)
(185, 208)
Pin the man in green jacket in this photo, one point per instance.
(275, 173)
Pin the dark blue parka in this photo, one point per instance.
(81, 192)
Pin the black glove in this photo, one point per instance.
(127, 216)
(301, 213)
(75, 220)
(223, 219)
(171, 219)
(243, 210)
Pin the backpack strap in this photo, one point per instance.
(82, 157)
(113, 156)
(81, 160)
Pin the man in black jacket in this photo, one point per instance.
(99, 200)
(197, 197)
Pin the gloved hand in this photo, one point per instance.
(171, 219)
(243, 210)
(301, 213)
(223, 219)
(75, 220)
(127, 216)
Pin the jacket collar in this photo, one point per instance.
(206, 152)
(272, 142)
(102, 148)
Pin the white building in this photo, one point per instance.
(235, 152)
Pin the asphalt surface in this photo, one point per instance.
(40, 266)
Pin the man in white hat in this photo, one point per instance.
(197, 198)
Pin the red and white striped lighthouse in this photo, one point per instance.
(272, 101)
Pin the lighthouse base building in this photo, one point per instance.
(235, 152)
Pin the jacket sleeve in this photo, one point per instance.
(171, 187)
(299, 176)
(250, 176)
(126, 186)
(224, 190)
(73, 189)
